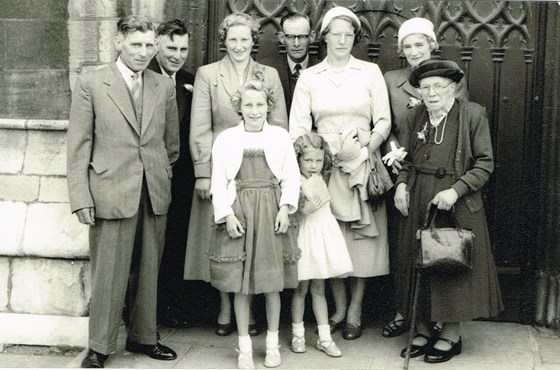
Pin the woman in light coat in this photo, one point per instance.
(212, 113)
(345, 97)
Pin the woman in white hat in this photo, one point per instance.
(416, 41)
(346, 99)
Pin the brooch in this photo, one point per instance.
(413, 102)
(422, 134)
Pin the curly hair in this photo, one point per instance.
(314, 141)
(133, 23)
(256, 83)
(238, 19)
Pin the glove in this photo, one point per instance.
(396, 154)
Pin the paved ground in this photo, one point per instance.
(486, 345)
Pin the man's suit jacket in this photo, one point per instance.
(108, 153)
(280, 62)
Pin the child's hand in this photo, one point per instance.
(234, 227)
(282, 221)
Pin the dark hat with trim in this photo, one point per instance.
(435, 67)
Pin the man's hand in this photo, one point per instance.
(202, 187)
(86, 216)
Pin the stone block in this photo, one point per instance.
(4, 282)
(32, 9)
(53, 189)
(48, 287)
(107, 33)
(45, 153)
(12, 150)
(82, 37)
(40, 93)
(19, 188)
(36, 44)
(43, 330)
(51, 230)
(92, 8)
(12, 222)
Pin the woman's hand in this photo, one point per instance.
(282, 221)
(234, 227)
(402, 199)
(202, 187)
(445, 199)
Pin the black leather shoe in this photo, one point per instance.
(416, 351)
(434, 355)
(94, 360)
(223, 330)
(352, 331)
(254, 330)
(156, 351)
(336, 326)
(395, 328)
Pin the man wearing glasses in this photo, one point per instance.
(296, 35)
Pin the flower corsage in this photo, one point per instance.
(422, 135)
(413, 102)
(188, 87)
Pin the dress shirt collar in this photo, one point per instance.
(126, 72)
(292, 64)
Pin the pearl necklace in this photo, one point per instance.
(436, 125)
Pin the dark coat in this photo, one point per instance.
(476, 293)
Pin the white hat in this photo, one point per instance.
(338, 11)
(416, 25)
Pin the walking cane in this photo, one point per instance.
(413, 318)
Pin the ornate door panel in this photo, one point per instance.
(493, 43)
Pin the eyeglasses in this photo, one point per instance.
(292, 38)
(438, 88)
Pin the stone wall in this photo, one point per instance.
(44, 267)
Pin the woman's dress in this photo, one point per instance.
(443, 297)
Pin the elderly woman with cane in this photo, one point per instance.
(450, 159)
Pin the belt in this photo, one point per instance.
(439, 172)
(246, 184)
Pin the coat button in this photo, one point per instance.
(138, 172)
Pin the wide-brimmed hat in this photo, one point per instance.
(435, 67)
(338, 11)
(416, 25)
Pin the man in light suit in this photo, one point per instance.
(123, 138)
(175, 295)
(296, 36)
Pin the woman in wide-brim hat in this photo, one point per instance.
(450, 159)
(416, 42)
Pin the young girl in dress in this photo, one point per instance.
(255, 185)
(323, 250)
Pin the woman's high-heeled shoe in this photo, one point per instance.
(417, 351)
(434, 355)
(223, 330)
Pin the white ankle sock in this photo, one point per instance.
(245, 344)
(298, 329)
(324, 333)
(271, 339)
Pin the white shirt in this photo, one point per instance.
(303, 64)
(127, 73)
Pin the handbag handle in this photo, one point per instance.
(431, 213)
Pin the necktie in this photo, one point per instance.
(136, 90)
(297, 70)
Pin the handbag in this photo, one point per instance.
(447, 249)
(379, 182)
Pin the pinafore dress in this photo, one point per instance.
(260, 261)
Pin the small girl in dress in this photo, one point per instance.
(255, 185)
(323, 249)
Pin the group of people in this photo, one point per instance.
(278, 159)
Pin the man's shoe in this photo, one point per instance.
(156, 351)
(94, 360)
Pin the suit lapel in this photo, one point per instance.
(228, 77)
(149, 98)
(403, 81)
(119, 94)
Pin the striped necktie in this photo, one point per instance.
(136, 90)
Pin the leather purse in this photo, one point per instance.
(447, 250)
(379, 182)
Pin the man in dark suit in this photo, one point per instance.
(174, 292)
(296, 36)
(123, 138)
